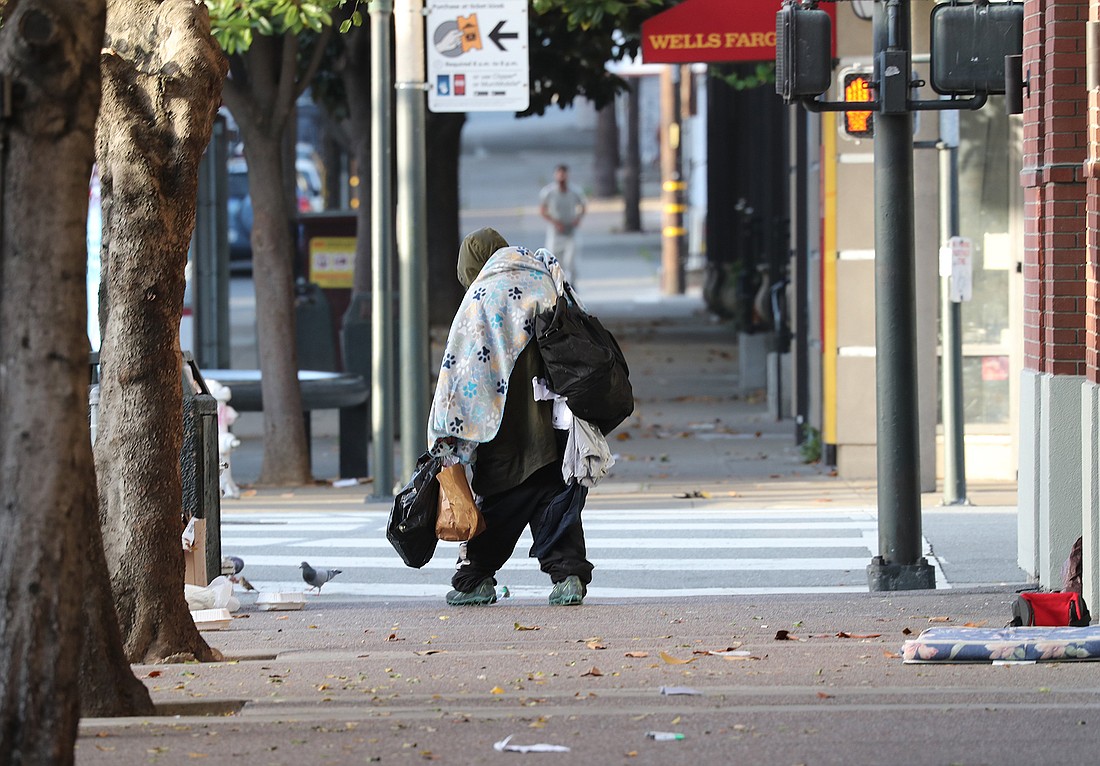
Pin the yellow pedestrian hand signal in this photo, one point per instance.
(471, 35)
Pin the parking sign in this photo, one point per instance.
(478, 57)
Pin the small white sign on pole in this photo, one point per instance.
(478, 56)
(961, 284)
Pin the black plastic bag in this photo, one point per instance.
(559, 515)
(411, 530)
(584, 364)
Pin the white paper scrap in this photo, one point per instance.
(503, 746)
(670, 690)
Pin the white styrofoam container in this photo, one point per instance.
(211, 619)
(270, 602)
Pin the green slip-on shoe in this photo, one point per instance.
(483, 594)
(569, 592)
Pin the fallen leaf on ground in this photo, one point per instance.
(592, 671)
(939, 619)
(496, 690)
(891, 655)
(824, 696)
(622, 436)
(842, 634)
(527, 627)
(595, 645)
(674, 660)
(981, 624)
(426, 652)
(785, 635)
(636, 655)
(906, 632)
(393, 637)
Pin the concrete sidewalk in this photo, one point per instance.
(406, 682)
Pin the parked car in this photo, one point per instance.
(239, 204)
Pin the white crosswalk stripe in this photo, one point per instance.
(690, 552)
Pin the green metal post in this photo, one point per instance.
(899, 565)
(382, 248)
(412, 226)
(954, 454)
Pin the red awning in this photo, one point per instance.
(714, 30)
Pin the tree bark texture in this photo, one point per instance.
(260, 94)
(50, 49)
(356, 75)
(605, 163)
(162, 76)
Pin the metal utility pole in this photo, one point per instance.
(211, 256)
(954, 453)
(382, 237)
(899, 565)
(412, 224)
(673, 239)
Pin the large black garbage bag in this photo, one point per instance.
(411, 530)
(584, 364)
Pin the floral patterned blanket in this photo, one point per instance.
(493, 325)
(1039, 644)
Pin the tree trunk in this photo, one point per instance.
(162, 71)
(606, 161)
(444, 144)
(632, 163)
(356, 76)
(47, 483)
(286, 453)
(260, 95)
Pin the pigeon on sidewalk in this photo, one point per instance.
(317, 577)
(231, 567)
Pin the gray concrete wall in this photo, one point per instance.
(1059, 517)
(1090, 491)
(1027, 479)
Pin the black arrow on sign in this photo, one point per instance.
(496, 35)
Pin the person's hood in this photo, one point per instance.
(475, 250)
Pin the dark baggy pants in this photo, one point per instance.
(506, 515)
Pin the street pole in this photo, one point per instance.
(382, 377)
(673, 233)
(954, 453)
(899, 565)
(411, 227)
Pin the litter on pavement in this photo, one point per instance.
(503, 746)
(664, 736)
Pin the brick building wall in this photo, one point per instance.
(1055, 189)
(1092, 229)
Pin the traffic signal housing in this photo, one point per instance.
(856, 86)
(803, 52)
(969, 43)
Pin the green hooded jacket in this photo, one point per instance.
(526, 440)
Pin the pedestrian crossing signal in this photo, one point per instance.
(857, 87)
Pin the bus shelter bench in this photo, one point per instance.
(341, 391)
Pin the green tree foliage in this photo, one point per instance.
(234, 22)
(572, 40)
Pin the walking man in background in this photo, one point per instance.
(563, 206)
